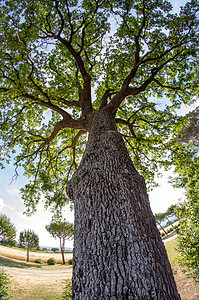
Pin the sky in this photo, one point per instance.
(12, 205)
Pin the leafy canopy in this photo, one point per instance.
(7, 229)
(62, 59)
(61, 229)
(28, 239)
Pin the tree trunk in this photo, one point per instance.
(28, 251)
(159, 223)
(118, 252)
(62, 252)
(170, 223)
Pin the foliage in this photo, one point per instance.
(7, 229)
(9, 243)
(4, 285)
(61, 229)
(39, 261)
(70, 261)
(188, 236)
(28, 239)
(188, 211)
(55, 249)
(51, 261)
(190, 131)
(67, 294)
(61, 60)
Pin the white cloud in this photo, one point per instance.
(3, 206)
(12, 190)
(165, 195)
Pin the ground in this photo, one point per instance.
(29, 282)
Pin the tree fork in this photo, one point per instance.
(118, 252)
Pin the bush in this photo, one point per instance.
(51, 261)
(9, 243)
(67, 294)
(4, 284)
(70, 261)
(39, 261)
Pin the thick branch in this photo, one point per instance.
(127, 91)
(130, 126)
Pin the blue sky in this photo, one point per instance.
(12, 205)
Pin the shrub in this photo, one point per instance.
(70, 261)
(39, 261)
(4, 284)
(51, 261)
(67, 294)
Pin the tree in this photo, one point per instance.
(7, 229)
(62, 230)
(190, 131)
(100, 67)
(159, 218)
(29, 240)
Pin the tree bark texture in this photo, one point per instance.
(118, 252)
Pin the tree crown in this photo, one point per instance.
(60, 229)
(28, 239)
(61, 60)
(7, 229)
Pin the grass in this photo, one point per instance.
(8, 262)
(171, 251)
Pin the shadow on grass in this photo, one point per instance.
(15, 264)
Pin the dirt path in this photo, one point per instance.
(66, 274)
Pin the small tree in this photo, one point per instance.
(7, 229)
(29, 240)
(62, 230)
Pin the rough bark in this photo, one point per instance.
(118, 252)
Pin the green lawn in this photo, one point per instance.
(171, 251)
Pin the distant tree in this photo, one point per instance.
(62, 230)
(171, 211)
(190, 132)
(29, 240)
(167, 216)
(7, 229)
(55, 249)
(159, 218)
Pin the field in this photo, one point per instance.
(32, 281)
